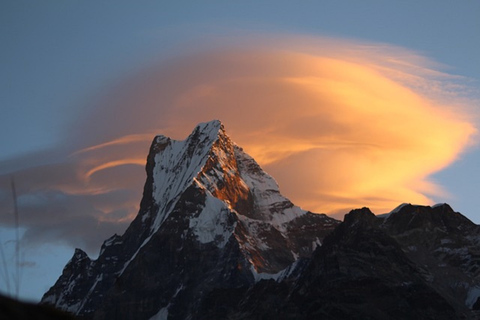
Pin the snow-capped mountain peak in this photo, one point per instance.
(209, 216)
(177, 164)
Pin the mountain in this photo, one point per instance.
(215, 239)
(210, 218)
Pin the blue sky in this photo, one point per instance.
(59, 59)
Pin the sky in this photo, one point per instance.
(345, 103)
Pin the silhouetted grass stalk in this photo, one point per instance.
(5, 273)
(17, 241)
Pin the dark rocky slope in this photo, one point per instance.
(370, 268)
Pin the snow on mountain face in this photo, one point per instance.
(178, 164)
(211, 161)
(209, 217)
(212, 224)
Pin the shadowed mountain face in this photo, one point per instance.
(215, 239)
(418, 263)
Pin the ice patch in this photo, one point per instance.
(265, 276)
(295, 255)
(212, 223)
(161, 315)
(472, 296)
(315, 244)
(288, 271)
(278, 277)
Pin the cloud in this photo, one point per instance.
(339, 123)
(80, 199)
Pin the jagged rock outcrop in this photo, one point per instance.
(210, 218)
(445, 244)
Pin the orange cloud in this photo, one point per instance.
(336, 134)
(113, 164)
(119, 141)
(355, 127)
(339, 124)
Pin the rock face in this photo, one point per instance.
(447, 247)
(210, 218)
(215, 239)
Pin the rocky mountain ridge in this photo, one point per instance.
(215, 239)
(368, 268)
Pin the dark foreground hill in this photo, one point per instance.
(11, 309)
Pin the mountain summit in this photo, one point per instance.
(210, 218)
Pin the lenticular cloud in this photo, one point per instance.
(339, 124)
